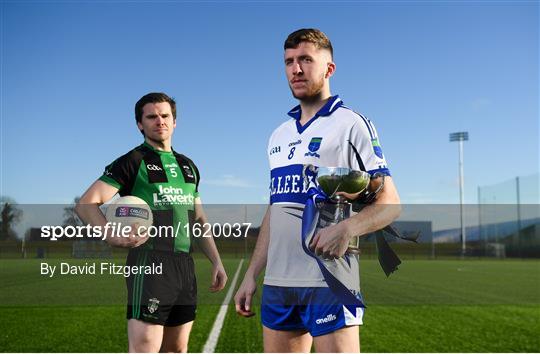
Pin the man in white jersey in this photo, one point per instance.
(298, 307)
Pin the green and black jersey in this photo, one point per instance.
(168, 182)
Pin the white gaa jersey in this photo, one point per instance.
(335, 137)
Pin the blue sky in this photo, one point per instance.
(71, 73)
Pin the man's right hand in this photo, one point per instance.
(135, 238)
(244, 295)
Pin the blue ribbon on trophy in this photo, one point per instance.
(329, 193)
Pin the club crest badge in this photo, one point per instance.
(313, 147)
(153, 305)
(187, 170)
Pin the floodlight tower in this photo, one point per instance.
(461, 137)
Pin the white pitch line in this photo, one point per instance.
(211, 342)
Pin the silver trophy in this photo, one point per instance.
(342, 185)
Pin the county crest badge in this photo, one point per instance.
(377, 148)
(313, 147)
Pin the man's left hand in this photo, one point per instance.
(331, 242)
(219, 278)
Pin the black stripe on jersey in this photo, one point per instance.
(368, 125)
(294, 208)
(154, 167)
(358, 158)
(124, 170)
(296, 216)
(164, 218)
(189, 170)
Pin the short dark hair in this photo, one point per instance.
(153, 97)
(311, 35)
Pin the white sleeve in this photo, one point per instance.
(365, 151)
(269, 148)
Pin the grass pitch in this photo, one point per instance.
(426, 306)
(433, 306)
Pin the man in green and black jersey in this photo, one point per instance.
(161, 307)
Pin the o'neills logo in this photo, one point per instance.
(126, 211)
(327, 319)
(172, 195)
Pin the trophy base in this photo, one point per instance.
(353, 250)
(354, 246)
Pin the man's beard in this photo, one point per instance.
(312, 93)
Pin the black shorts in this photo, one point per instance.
(169, 298)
